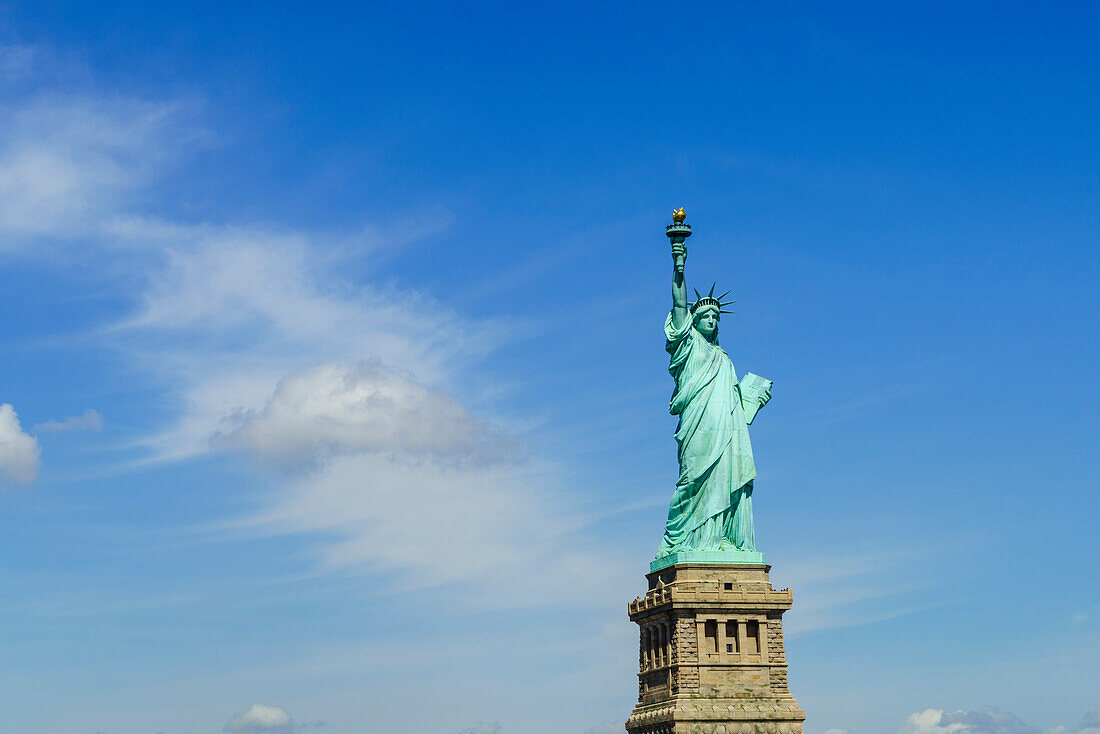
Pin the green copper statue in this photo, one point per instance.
(711, 509)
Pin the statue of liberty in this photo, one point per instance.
(711, 509)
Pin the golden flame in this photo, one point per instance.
(678, 215)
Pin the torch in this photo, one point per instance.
(678, 232)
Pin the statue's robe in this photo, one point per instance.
(712, 506)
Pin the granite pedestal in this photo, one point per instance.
(711, 658)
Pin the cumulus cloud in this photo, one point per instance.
(348, 409)
(89, 420)
(980, 721)
(260, 719)
(482, 727)
(19, 451)
(986, 720)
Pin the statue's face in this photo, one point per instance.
(707, 322)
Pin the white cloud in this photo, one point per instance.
(930, 721)
(19, 451)
(987, 720)
(68, 162)
(261, 719)
(89, 420)
(1091, 723)
(260, 343)
(980, 721)
(268, 350)
(482, 727)
(489, 525)
(347, 409)
(233, 311)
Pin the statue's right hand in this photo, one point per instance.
(679, 255)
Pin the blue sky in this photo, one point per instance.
(332, 344)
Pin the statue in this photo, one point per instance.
(711, 509)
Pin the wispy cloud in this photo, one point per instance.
(89, 420)
(262, 345)
(267, 350)
(68, 163)
(835, 590)
(232, 311)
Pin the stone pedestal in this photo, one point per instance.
(712, 659)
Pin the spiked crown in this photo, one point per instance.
(711, 300)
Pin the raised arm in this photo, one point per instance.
(679, 287)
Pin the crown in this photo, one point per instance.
(711, 300)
